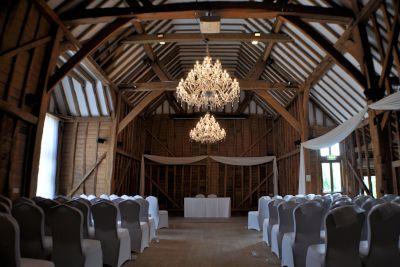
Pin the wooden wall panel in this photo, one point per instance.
(79, 153)
(21, 22)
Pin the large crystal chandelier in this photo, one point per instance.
(208, 85)
(207, 130)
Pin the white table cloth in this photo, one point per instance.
(207, 207)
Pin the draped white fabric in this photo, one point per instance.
(391, 102)
(238, 161)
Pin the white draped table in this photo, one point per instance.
(219, 207)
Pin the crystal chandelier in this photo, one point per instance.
(208, 85)
(207, 130)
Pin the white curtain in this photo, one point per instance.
(391, 102)
(48, 158)
(239, 161)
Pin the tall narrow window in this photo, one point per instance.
(373, 184)
(48, 158)
(331, 169)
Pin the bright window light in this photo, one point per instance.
(48, 158)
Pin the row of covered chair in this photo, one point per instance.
(69, 229)
(330, 230)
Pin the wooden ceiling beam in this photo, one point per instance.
(138, 109)
(89, 47)
(340, 44)
(245, 85)
(198, 37)
(280, 109)
(223, 9)
(324, 44)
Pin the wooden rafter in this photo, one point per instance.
(246, 101)
(340, 44)
(238, 10)
(137, 109)
(324, 44)
(280, 109)
(171, 86)
(25, 47)
(91, 45)
(197, 37)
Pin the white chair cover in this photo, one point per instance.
(85, 210)
(4, 208)
(104, 196)
(367, 206)
(252, 218)
(200, 195)
(125, 197)
(382, 247)
(343, 229)
(113, 196)
(307, 217)
(83, 196)
(263, 211)
(212, 196)
(46, 204)
(144, 217)
(90, 197)
(153, 209)
(163, 223)
(6, 201)
(389, 197)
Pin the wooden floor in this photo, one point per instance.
(207, 242)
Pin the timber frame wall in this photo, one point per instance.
(33, 36)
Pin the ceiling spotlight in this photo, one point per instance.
(257, 34)
(162, 43)
(254, 42)
(160, 35)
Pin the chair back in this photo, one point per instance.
(153, 209)
(4, 208)
(66, 225)
(61, 199)
(113, 196)
(341, 199)
(367, 207)
(337, 204)
(30, 220)
(343, 229)
(105, 225)
(130, 210)
(6, 201)
(263, 211)
(144, 209)
(359, 200)
(37, 199)
(104, 196)
(9, 241)
(383, 235)
(396, 200)
(307, 218)
(389, 197)
(200, 196)
(46, 204)
(287, 197)
(285, 216)
(90, 197)
(212, 196)
(23, 199)
(273, 210)
(85, 210)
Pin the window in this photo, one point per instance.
(373, 184)
(331, 169)
(48, 158)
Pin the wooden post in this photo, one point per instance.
(113, 147)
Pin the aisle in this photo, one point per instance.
(207, 242)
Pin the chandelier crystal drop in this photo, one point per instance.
(208, 85)
(207, 130)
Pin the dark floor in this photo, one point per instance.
(207, 242)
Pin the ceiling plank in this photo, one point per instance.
(280, 109)
(198, 37)
(90, 46)
(245, 85)
(324, 44)
(223, 9)
(24, 47)
(138, 109)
